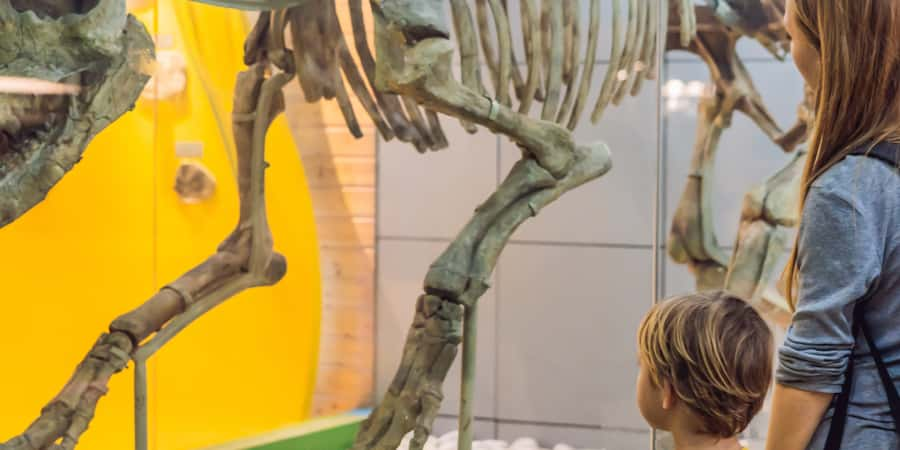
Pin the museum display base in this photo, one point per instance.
(329, 433)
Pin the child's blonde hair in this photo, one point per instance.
(716, 352)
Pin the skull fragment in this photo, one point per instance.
(68, 68)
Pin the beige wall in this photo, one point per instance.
(341, 174)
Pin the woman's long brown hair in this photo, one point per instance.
(858, 92)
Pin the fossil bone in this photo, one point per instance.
(245, 259)
(99, 49)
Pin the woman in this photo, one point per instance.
(849, 240)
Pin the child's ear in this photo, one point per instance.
(668, 396)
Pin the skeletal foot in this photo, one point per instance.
(414, 397)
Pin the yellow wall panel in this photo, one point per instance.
(114, 231)
(71, 265)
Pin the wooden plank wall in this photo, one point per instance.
(341, 174)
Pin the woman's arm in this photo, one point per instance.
(839, 256)
(795, 416)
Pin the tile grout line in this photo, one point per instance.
(499, 420)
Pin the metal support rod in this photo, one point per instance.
(658, 193)
(467, 391)
(140, 404)
(175, 326)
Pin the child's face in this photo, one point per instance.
(652, 401)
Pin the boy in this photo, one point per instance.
(705, 368)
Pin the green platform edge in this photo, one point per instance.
(339, 438)
(331, 433)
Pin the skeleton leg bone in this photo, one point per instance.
(449, 274)
(768, 214)
(244, 260)
(413, 399)
(692, 238)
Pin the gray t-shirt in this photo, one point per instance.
(849, 236)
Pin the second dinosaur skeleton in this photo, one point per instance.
(769, 211)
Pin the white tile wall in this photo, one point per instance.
(678, 279)
(566, 351)
(483, 429)
(433, 195)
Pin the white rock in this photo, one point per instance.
(493, 444)
(449, 441)
(452, 436)
(404, 443)
(524, 444)
(434, 442)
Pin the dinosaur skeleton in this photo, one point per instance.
(408, 85)
(769, 211)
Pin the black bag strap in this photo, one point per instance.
(889, 388)
(885, 151)
(842, 401)
(889, 153)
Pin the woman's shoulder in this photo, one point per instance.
(857, 178)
